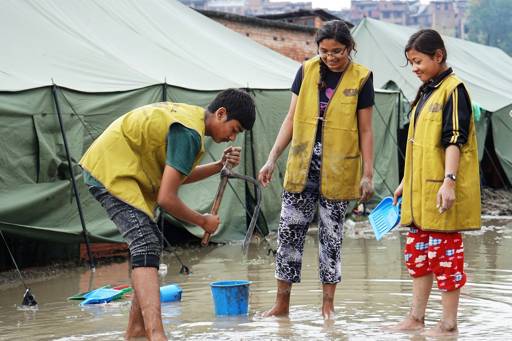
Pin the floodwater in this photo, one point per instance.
(375, 292)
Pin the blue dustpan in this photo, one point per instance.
(385, 216)
(102, 295)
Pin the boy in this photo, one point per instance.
(139, 162)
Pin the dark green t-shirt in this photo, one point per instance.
(183, 145)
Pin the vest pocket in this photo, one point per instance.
(431, 218)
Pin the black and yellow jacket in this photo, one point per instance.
(424, 167)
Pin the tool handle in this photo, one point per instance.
(218, 198)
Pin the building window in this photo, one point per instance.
(275, 38)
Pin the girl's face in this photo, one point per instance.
(425, 66)
(333, 54)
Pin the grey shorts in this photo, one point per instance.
(140, 232)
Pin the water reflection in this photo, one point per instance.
(375, 292)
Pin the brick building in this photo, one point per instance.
(294, 41)
(393, 11)
(446, 16)
(313, 18)
(247, 7)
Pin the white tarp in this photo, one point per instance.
(104, 45)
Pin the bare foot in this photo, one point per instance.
(135, 333)
(410, 323)
(328, 301)
(277, 310)
(328, 311)
(442, 329)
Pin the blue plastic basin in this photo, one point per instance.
(170, 293)
(230, 297)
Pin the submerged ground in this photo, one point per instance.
(375, 292)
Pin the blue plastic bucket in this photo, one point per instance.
(170, 293)
(230, 297)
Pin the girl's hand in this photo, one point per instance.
(366, 188)
(446, 195)
(398, 193)
(231, 156)
(265, 174)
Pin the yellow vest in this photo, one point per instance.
(424, 169)
(128, 158)
(341, 159)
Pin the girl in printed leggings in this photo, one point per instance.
(329, 163)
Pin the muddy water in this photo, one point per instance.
(375, 292)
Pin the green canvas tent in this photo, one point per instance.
(97, 60)
(486, 71)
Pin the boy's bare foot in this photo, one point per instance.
(410, 323)
(277, 310)
(135, 333)
(442, 329)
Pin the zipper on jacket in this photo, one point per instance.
(323, 119)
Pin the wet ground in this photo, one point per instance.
(375, 292)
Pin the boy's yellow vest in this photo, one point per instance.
(341, 159)
(128, 158)
(424, 169)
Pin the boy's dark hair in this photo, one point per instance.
(239, 106)
(426, 41)
(339, 31)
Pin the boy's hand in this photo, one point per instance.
(231, 155)
(211, 222)
(265, 174)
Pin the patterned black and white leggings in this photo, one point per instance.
(297, 213)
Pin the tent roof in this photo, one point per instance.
(110, 45)
(486, 71)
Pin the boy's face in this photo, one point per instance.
(222, 129)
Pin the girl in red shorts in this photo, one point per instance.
(441, 185)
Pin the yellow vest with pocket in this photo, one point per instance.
(128, 158)
(341, 158)
(424, 169)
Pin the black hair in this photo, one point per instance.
(339, 31)
(239, 106)
(426, 41)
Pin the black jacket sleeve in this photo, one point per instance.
(456, 118)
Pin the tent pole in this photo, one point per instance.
(164, 91)
(73, 181)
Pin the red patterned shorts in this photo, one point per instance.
(439, 253)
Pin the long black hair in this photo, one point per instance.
(426, 41)
(339, 31)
